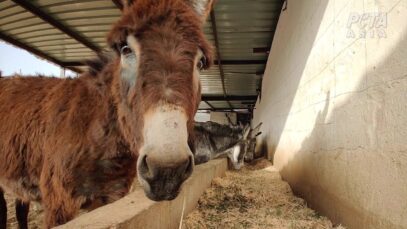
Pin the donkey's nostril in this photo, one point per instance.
(143, 168)
(144, 161)
(191, 163)
(190, 167)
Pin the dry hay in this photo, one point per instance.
(254, 197)
(35, 215)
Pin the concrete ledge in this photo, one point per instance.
(137, 211)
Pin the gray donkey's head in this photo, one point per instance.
(244, 146)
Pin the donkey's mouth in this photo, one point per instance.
(166, 186)
(163, 183)
(162, 196)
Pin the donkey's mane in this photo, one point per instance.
(98, 63)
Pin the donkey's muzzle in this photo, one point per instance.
(163, 180)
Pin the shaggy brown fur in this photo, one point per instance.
(73, 143)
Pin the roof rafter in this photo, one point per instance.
(222, 109)
(229, 97)
(36, 52)
(242, 62)
(210, 105)
(220, 66)
(27, 5)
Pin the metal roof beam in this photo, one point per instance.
(36, 52)
(243, 62)
(27, 5)
(228, 98)
(219, 61)
(210, 105)
(222, 109)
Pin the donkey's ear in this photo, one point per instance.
(257, 128)
(201, 7)
(127, 3)
(246, 132)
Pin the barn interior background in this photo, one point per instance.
(326, 77)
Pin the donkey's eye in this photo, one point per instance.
(125, 50)
(202, 63)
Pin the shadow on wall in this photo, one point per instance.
(296, 67)
(359, 180)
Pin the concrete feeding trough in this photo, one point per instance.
(137, 211)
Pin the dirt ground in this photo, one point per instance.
(254, 197)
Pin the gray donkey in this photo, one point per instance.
(213, 140)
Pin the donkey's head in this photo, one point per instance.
(244, 149)
(161, 49)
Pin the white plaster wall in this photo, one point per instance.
(334, 110)
(221, 118)
(202, 117)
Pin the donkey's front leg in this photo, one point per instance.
(22, 209)
(59, 204)
(59, 208)
(3, 210)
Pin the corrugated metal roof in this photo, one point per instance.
(81, 25)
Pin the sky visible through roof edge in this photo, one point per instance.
(15, 60)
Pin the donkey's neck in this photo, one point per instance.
(128, 115)
(103, 82)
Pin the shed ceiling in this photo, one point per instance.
(68, 31)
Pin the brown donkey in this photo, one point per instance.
(79, 143)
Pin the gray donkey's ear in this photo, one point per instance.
(201, 7)
(255, 131)
(246, 132)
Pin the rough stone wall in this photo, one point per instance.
(334, 108)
